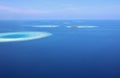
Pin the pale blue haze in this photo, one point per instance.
(59, 9)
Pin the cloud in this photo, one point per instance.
(10, 9)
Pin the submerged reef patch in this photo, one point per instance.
(22, 36)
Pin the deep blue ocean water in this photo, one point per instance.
(68, 53)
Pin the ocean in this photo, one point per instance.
(86, 52)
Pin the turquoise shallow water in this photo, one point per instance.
(67, 53)
(22, 36)
(15, 36)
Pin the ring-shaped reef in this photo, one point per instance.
(22, 36)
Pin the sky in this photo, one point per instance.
(59, 9)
